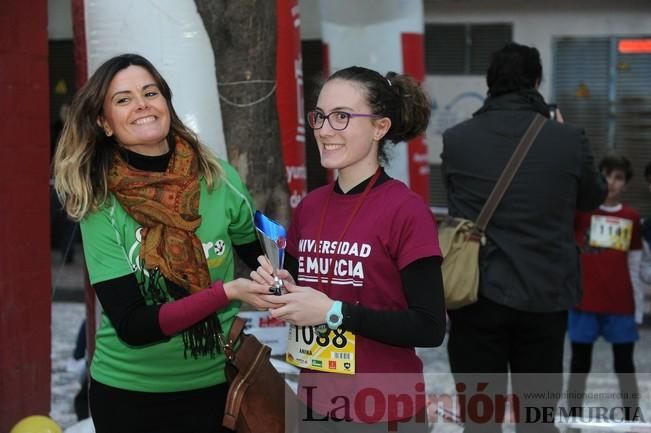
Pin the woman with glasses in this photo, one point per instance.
(364, 284)
(160, 219)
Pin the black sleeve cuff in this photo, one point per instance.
(351, 317)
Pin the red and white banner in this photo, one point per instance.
(289, 97)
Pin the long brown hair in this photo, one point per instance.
(84, 154)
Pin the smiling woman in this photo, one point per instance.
(136, 112)
(364, 254)
(152, 202)
(125, 90)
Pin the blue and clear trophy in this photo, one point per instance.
(273, 237)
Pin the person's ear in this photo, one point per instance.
(382, 126)
(104, 125)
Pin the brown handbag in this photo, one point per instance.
(257, 396)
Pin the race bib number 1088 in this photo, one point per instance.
(333, 352)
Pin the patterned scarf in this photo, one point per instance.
(166, 205)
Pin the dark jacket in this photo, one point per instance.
(531, 261)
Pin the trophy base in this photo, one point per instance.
(276, 290)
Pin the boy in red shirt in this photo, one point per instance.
(611, 245)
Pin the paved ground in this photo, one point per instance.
(66, 317)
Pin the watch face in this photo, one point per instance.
(333, 318)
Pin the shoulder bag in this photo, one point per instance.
(257, 395)
(460, 238)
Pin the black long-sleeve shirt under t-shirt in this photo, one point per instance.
(135, 322)
(421, 324)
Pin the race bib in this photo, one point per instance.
(611, 232)
(332, 353)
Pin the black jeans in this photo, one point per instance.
(198, 411)
(487, 340)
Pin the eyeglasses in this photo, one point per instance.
(338, 120)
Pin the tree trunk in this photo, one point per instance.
(243, 37)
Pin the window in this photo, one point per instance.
(463, 49)
(602, 84)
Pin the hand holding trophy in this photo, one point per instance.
(273, 237)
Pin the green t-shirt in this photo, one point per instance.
(111, 240)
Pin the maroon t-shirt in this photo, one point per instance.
(607, 286)
(391, 229)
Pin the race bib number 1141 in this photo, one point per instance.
(611, 232)
(333, 352)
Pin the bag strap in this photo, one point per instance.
(509, 171)
(236, 329)
(228, 345)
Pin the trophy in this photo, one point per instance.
(273, 237)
